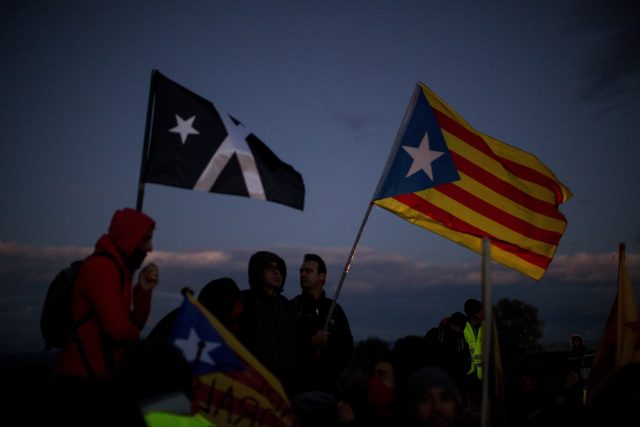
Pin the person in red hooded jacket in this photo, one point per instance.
(103, 287)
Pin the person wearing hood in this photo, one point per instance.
(220, 296)
(267, 324)
(113, 310)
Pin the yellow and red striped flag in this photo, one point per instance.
(620, 341)
(232, 386)
(447, 177)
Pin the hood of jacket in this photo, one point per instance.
(258, 262)
(128, 230)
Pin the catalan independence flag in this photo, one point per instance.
(445, 176)
(232, 387)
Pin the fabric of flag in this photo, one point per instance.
(498, 409)
(192, 145)
(232, 387)
(447, 177)
(620, 341)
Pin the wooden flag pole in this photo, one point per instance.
(347, 266)
(487, 332)
(145, 145)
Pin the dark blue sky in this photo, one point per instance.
(325, 86)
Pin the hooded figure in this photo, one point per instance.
(258, 263)
(267, 322)
(220, 296)
(103, 296)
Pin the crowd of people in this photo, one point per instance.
(111, 373)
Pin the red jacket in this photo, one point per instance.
(99, 287)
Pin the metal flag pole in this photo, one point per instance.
(347, 266)
(387, 167)
(487, 332)
(145, 145)
(619, 305)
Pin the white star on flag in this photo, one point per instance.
(184, 128)
(234, 143)
(422, 156)
(191, 346)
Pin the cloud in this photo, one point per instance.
(14, 250)
(192, 259)
(370, 270)
(385, 295)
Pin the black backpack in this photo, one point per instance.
(56, 321)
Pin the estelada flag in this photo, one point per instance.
(192, 145)
(446, 177)
(232, 386)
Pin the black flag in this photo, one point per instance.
(194, 146)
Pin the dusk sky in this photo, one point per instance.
(324, 85)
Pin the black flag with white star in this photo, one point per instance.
(192, 145)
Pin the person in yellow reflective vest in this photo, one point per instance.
(162, 418)
(473, 335)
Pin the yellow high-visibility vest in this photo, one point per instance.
(167, 419)
(475, 348)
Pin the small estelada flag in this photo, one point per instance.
(193, 145)
(231, 387)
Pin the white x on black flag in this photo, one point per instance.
(193, 146)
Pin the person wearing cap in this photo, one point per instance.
(473, 334)
(266, 326)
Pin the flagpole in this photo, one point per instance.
(385, 171)
(619, 305)
(347, 266)
(487, 332)
(145, 145)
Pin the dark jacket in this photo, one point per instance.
(447, 349)
(320, 368)
(103, 285)
(266, 326)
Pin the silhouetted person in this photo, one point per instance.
(267, 326)
(446, 348)
(431, 399)
(220, 296)
(114, 312)
(156, 380)
(323, 354)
